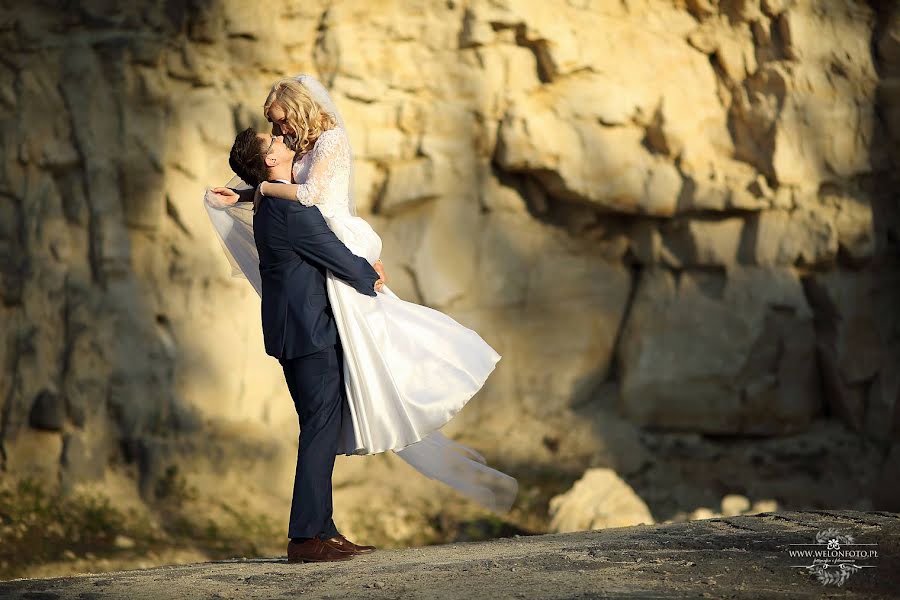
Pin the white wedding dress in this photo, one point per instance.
(408, 368)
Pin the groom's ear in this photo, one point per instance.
(271, 161)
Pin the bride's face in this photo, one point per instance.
(278, 118)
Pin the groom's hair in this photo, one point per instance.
(246, 158)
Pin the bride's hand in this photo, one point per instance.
(379, 268)
(224, 196)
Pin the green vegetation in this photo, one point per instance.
(37, 526)
(40, 526)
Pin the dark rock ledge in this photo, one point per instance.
(739, 557)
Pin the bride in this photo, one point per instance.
(408, 368)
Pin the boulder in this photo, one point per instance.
(599, 500)
(734, 505)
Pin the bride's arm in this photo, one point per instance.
(326, 155)
(285, 191)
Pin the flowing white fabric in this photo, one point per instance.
(408, 368)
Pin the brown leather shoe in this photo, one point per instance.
(314, 550)
(342, 544)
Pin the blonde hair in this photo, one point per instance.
(303, 114)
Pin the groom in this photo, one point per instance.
(296, 248)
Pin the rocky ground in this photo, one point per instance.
(662, 478)
(740, 557)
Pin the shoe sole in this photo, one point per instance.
(310, 560)
(354, 552)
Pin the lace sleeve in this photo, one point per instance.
(327, 157)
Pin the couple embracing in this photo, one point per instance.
(367, 371)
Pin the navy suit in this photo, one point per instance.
(296, 249)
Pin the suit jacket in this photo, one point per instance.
(296, 248)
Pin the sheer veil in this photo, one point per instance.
(435, 456)
(320, 95)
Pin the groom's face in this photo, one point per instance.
(276, 151)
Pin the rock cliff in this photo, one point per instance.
(677, 215)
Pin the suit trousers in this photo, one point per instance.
(316, 383)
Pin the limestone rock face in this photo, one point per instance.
(720, 353)
(599, 500)
(689, 207)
